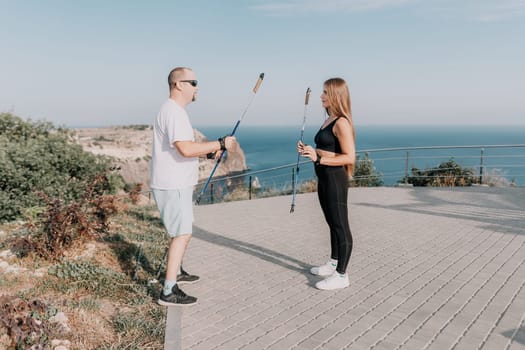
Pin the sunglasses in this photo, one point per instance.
(192, 82)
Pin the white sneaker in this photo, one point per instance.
(336, 281)
(324, 270)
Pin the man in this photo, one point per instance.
(174, 172)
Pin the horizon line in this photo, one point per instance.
(197, 126)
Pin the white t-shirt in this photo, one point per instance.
(169, 169)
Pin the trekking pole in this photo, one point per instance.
(137, 262)
(296, 177)
(259, 82)
(162, 261)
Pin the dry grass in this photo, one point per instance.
(94, 324)
(106, 308)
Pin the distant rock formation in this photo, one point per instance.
(233, 162)
(130, 147)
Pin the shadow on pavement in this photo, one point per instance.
(257, 251)
(502, 209)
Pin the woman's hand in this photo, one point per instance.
(306, 151)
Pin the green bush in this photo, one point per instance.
(447, 173)
(365, 174)
(37, 157)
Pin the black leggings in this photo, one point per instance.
(332, 189)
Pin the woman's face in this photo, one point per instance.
(324, 98)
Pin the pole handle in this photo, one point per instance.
(307, 97)
(259, 82)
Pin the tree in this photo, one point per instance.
(365, 174)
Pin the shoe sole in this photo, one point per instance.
(320, 288)
(165, 303)
(188, 282)
(318, 274)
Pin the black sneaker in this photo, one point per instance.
(176, 297)
(186, 278)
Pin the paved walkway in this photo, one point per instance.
(431, 269)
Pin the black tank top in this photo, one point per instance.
(326, 140)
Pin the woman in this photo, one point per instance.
(334, 159)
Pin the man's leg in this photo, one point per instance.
(176, 252)
(177, 215)
(171, 293)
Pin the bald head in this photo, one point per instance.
(183, 85)
(177, 74)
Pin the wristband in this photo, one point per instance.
(318, 161)
(222, 143)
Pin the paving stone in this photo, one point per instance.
(439, 265)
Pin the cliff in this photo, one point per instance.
(130, 147)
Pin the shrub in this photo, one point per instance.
(447, 173)
(26, 322)
(38, 157)
(138, 127)
(134, 192)
(365, 174)
(61, 225)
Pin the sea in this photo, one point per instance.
(270, 147)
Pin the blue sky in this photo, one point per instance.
(101, 63)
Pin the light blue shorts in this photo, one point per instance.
(176, 210)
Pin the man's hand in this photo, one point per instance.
(231, 143)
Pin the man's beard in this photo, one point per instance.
(194, 98)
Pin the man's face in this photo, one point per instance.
(188, 86)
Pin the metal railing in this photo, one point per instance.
(477, 157)
(496, 165)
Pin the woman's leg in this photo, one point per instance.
(337, 209)
(324, 200)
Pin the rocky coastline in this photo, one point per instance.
(130, 148)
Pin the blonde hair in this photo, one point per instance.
(338, 98)
(339, 105)
(175, 75)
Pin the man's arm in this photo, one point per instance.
(196, 149)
